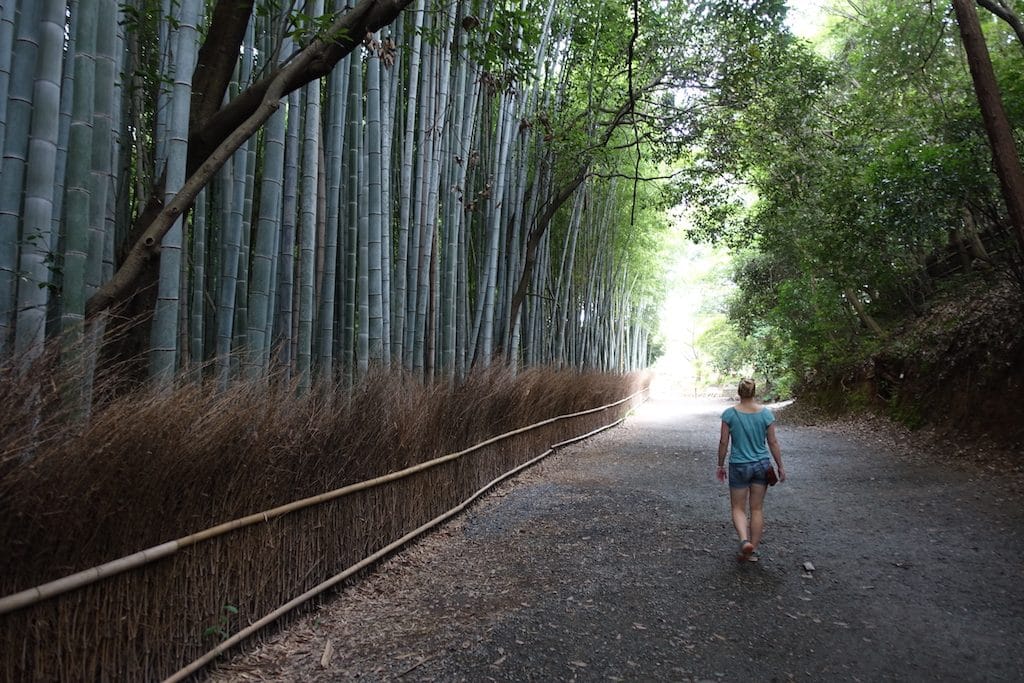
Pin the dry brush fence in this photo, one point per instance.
(147, 622)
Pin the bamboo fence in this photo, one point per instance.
(155, 613)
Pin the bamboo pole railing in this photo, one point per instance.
(238, 637)
(31, 596)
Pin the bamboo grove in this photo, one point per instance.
(267, 187)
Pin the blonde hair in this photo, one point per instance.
(747, 388)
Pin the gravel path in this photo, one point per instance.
(614, 560)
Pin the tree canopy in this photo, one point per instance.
(856, 180)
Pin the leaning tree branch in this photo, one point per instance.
(1003, 11)
(258, 104)
(633, 177)
(343, 37)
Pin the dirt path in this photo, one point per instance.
(614, 560)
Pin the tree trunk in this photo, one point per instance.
(1000, 133)
(862, 313)
(217, 57)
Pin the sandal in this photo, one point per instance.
(753, 557)
(746, 548)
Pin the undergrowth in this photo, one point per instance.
(958, 368)
(155, 465)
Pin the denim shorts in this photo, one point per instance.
(743, 474)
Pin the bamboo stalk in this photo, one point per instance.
(196, 665)
(31, 596)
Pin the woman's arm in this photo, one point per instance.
(723, 449)
(773, 446)
(723, 444)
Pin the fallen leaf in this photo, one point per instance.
(325, 658)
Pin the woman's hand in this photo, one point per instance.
(782, 474)
(720, 473)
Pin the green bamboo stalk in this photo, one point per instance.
(450, 224)
(308, 222)
(77, 185)
(231, 246)
(341, 322)
(354, 139)
(12, 168)
(34, 262)
(162, 110)
(268, 237)
(240, 327)
(461, 216)
(164, 336)
(419, 243)
(564, 283)
(363, 273)
(334, 152)
(7, 13)
(67, 91)
(486, 311)
(389, 96)
(375, 209)
(286, 258)
(197, 324)
(399, 303)
(120, 148)
(427, 306)
(362, 251)
(104, 96)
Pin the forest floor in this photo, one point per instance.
(887, 556)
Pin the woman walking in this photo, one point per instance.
(751, 429)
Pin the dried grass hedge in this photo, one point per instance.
(155, 466)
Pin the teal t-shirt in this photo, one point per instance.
(748, 433)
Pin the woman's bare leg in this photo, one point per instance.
(738, 499)
(757, 492)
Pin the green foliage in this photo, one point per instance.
(842, 175)
(728, 350)
(503, 44)
(222, 629)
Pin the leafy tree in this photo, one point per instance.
(856, 178)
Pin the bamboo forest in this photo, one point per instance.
(348, 192)
(307, 274)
